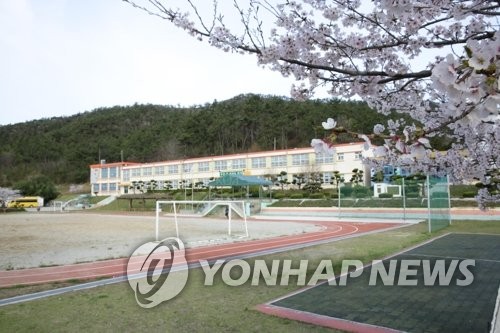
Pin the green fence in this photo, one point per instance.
(417, 197)
(438, 193)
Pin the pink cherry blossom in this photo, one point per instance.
(436, 61)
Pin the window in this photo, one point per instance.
(327, 177)
(148, 171)
(104, 173)
(340, 156)
(258, 162)
(203, 166)
(159, 170)
(278, 161)
(94, 175)
(187, 168)
(95, 188)
(175, 184)
(388, 170)
(239, 163)
(324, 158)
(220, 165)
(126, 175)
(104, 187)
(113, 172)
(136, 172)
(300, 159)
(300, 178)
(358, 155)
(112, 187)
(173, 169)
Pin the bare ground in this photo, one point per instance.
(42, 239)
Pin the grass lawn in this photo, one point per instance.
(199, 308)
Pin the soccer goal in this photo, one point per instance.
(234, 212)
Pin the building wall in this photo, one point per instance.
(107, 178)
(117, 178)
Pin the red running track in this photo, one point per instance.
(118, 267)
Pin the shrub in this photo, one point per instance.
(9, 210)
(296, 196)
(316, 196)
(385, 195)
(412, 194)
(458, 191)
(439, 195)
(469, 194)
(361, 192)
(346, 191)
(255, 193)
(278, 195)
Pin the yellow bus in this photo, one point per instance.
(26, 202)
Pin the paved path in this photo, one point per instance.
(383, 214)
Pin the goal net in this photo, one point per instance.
(201, 220)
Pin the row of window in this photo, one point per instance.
(111, 172)
(169, 184)
(235, 164)
(104, 187)
(325, 178)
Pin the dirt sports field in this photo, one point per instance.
(43, 239)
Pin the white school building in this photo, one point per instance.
(119, 178)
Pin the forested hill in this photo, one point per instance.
(62, 148)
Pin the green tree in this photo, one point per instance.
(299, 180)
(357, 176)
(313, 184)
(40, 186)
(337, 179)
(282, 179)
(378, 177)
(65, 147)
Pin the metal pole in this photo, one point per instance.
(449, 198)
(429, 202)
(175, 219)
(245, 220)
(338, 186)
(404, 200)
(157, 219)
(229, 218)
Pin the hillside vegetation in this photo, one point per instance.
(62, 148)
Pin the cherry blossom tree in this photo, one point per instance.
(436, 60)
(6, 194)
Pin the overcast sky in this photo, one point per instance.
(62, 57)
